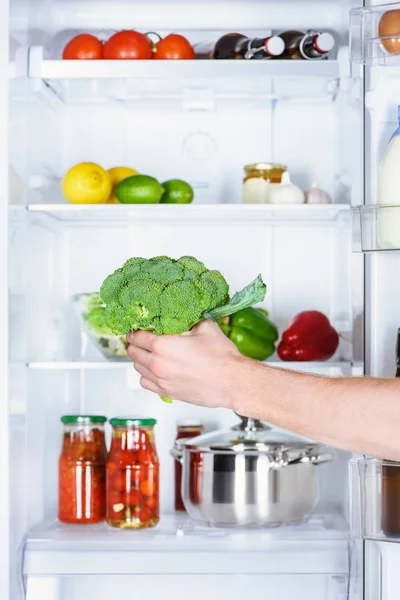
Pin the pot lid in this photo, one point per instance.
(250, 436)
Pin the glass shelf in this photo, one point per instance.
(376, 228)
(178, 545)
(194, 213)
(367, 47)
(196, 81)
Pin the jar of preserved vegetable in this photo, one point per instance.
(132, 496)
(82, 470)
(185, 430)
(259, 178)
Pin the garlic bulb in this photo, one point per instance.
(286, 192)
(317, 196)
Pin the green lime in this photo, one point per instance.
(177, 192)
(139, 189)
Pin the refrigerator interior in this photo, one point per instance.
(204, 129)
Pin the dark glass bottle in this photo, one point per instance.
(306, 46)
(391, 482)
(238, 46)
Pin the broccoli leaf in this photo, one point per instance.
(251, 294)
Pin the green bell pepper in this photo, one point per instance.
(251, 331)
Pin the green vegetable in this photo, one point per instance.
(93, 314)
(251, 331)
(166, 399)
(170, 296)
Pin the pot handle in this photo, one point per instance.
(177, 454)
(316, 459)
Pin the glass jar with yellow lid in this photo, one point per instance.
(258, 179)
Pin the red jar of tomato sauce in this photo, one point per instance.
(82, 470)
(132, 475)
(185, 430)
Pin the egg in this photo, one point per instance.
(389, 30)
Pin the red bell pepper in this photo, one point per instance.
(309, 337)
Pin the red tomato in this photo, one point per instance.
(128, 45)
(133, 498)
(174, 47)
(120, 481)
(152, 503)
(145, 456)
(83, 47)
(145, 514)
(148, 487)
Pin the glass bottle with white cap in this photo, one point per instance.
(311, 45)
(236, 45)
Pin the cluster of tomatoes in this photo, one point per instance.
(128, 45)
(132, 481)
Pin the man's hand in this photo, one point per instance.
(199, 367)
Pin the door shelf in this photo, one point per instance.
(178, 545)
(235, 214)
(80, 80)
(375, 499)
(376, 228)
(367, 47)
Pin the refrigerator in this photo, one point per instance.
(329, 121)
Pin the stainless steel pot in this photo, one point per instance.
(250, 475)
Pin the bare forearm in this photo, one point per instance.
(358, 414)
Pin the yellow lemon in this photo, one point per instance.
(86, 183)
(117, 174)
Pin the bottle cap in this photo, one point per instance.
(324, 42)
(274, 45)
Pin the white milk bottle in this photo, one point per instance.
(389, 193)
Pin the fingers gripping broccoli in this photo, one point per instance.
(169, 296)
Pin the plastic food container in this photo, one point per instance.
(90, 311)
(82, 470)
(259, 178)
(132, 475)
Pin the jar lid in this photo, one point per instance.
(83, 419)
(132, 422)
(252, 436)
(189, 423)
(265, 167)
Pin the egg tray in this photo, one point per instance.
(375, 35)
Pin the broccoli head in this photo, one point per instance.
(169, 296)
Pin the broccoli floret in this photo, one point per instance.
(161, 294)
(94, 315)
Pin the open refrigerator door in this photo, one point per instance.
(375, 483)
(203, 121)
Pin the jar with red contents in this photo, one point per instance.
(185, 430)
(132, 496)
(82, 470)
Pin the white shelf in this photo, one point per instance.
(329, 368)
(177, 545)
(235, 214)
(196, 82)
(43, 68)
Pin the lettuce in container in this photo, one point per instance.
(91, 309)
